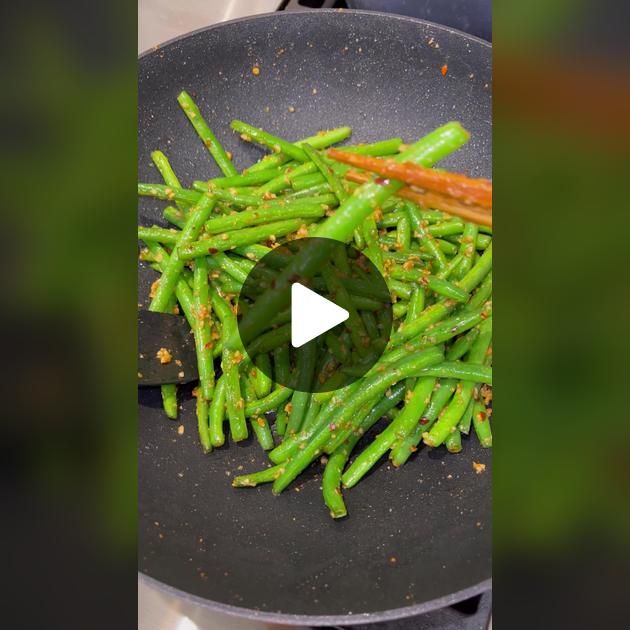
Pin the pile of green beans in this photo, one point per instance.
(430, 386)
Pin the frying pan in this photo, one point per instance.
(417, 538)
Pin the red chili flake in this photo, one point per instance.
(381, 181)
(424, 420)
(213, 250)
(444, 70)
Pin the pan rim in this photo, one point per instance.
(260, 16)
(392, 614)
(298, 619)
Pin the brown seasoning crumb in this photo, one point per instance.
(164, 356)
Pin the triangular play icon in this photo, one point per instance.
(312, 315)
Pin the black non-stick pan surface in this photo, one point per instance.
(416, 538)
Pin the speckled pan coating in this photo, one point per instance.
(416, 538)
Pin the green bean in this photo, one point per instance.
(300, 399)
(237, 269)
(447, 228)
(448, 421)
(331, 481)
(421, 232)
(170, 193)
(329, 175)
(340, 260)
(398, 429)
(281, 368)
(262, 381)
(399, 309)
(216, 414)
(462, 345)
(338, 349)
(279, 395)
(415, 256)
(284, 180)
(250, 133)
(372, 245)
(251, 480)
(168, 174)
(263, 434)
(403, 234)
(236, 238)
(202, 333)
(465, 421)
(451, 267)
(252, 252)
(197, 217)
(369, 196)
(453, 442)
(169, 399)
(411, 365)
(202, 422)
(478, 272)
(239, 181)
(330, 402)
(390, 219)
(205, 133)
(320, 140)
(340, 296)
(383, 147)
(185, 297)
(159, 235)
(317, 180)
(320, 189)
(169, 390)
(460, 371)
(481, 422)
(399, 289)
(174, 216)
(304, 182)
(371, 325)
(357, 236)
(270, 340)
(433, 283)
(311, 413)
(342, 423)
(481, 295)
(229, 287)
(444, 247)
(467, 249)
(483, 240)
(403, 448)
(462, 321)
(416, 304)
(282, 419)
(434, 313)
(248, 218)
(230, 359)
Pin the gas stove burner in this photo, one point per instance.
(470, 614)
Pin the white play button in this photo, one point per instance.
(312, 315)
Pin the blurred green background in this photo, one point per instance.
(561, 470)
(68, 162)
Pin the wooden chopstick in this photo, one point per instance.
(426, 199)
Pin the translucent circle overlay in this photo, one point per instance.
(337, 272)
